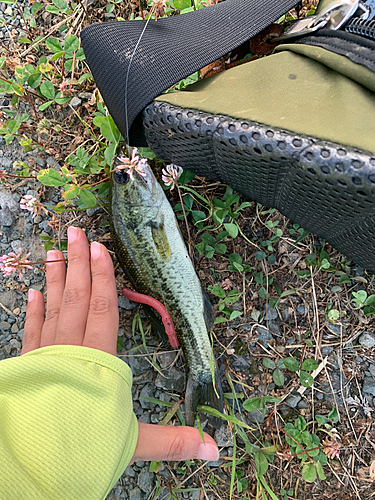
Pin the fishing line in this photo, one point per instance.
(127, 79)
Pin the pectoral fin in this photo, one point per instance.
(161, 241)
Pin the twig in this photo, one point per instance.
(314, 374)
(85, 11)
(317, 349)
(8, 311)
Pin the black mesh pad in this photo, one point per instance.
(327, 188)
(170, 49)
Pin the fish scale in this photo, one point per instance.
(151, 251)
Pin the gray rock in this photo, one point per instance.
(369, 386)
(20, 334)
(135, 494)
(293, 400)
(367, 339)
(138, 365)
(302, 405)
(273, 326)
(146, 481)
(125, 303)
(14, 329)
(239, 363)
(164, 494)
(37, 286)
(285, 314)
(255, 417)
(337, 379)
(94, 211)
(164, 472)
(222, 438)
(336, 329)
(217, 463)
(174, 380)
(52, 162)
(301, 310)
(129, 471)
(164, 397)
(372, 369)
(7, 201)
(9, 299)
(38, 219)
(4, 325)
(6, 217)
(147, 392)
(40, 161)
(75, 102)
(271, 313)
(155, 419)
(166, 359)
(6, 162)
(145, 418)
(326, 351)
(263, 336)
(45, 227)
(85, 96)
(15, 343)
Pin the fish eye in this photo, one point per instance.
(121, 176)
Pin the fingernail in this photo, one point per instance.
(51, 255)
(31, 294)
(208, 452)
(96, 250)
(72, 234)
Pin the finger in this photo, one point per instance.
(55, 277)
(34, 321)
(158, 442)
(76, 299)
(102, 321)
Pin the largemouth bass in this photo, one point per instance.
(152, 253)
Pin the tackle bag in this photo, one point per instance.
(294, 130)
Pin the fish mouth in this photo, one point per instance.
(148, 183)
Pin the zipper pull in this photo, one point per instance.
(333, 17)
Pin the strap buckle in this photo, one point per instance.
(334, 16)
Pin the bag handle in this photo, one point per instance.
(165, 51)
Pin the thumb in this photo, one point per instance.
(158, 442)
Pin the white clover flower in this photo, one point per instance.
(171, 174)
(11, 263)
(135, 164)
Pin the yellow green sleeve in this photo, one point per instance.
(67, 427)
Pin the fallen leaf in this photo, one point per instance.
(372, 470)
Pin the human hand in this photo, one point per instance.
(82, 309)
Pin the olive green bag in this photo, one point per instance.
(294, 130)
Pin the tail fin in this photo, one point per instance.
(201, 390)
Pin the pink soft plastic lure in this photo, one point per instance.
(167, 320)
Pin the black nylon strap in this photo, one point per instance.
(171, 49)
(358, 49)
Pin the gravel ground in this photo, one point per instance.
(19, 230)
(350, 385)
